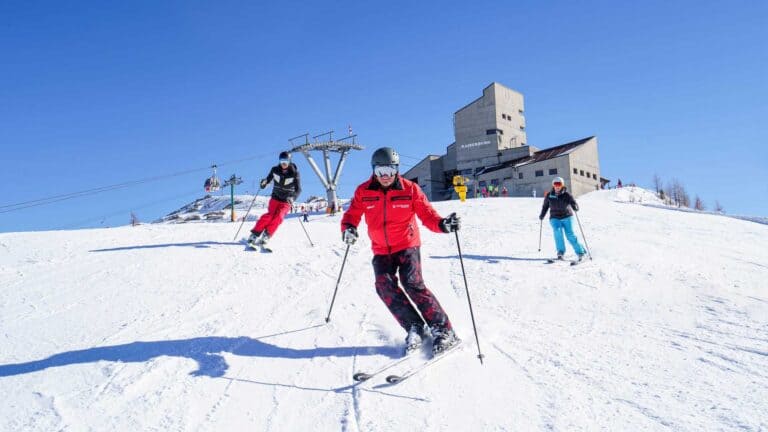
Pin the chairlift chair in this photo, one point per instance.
(212, 183)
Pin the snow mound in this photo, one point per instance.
(628, 194)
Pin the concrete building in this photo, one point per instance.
(491, 149)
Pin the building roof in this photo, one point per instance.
(539, 156)
(427, 158)
(483, 95)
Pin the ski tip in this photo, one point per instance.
(361, 376)
(394, 379)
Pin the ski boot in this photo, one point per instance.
(414, 339)
(443, 340)
(256, 239)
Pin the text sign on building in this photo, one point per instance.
(474, 144)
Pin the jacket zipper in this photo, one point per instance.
(386, 237)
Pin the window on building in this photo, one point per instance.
(594, 176)
(520, 111)
(552, 171)
(520, 176)
(539, 173)
(581, 172)
(522, 127)
(575, 171)
(589, 174)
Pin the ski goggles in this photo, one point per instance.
(557, 184)
(285, 161)
(385, 170)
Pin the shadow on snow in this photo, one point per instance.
(202, 245)
(487, 258)
(206, 351)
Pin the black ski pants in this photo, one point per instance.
(407, 263)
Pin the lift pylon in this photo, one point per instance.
(325, 144)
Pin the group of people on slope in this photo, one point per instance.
(390, 204)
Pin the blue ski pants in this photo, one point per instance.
(560, 225)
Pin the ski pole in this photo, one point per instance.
(583, 236)
(246, 214)
(466, 286)
(328, 318)
(305, 232)
(541, 226)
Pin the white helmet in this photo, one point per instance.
(558, 180)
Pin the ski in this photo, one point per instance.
(363, 376)
(395, 379)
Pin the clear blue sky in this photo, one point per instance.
(98, 93)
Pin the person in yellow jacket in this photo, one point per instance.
(459, 185)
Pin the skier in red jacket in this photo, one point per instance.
(390, 205)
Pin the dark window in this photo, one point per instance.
(552, 171)
(594, 176)
(494, 131)
(539, 173)
(581, 172)
(522, 127)
(520, 111)
(520, 175)
(575, 171)
(589, 174)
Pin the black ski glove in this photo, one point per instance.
(349, 236)
(263, 183)
(451, 223)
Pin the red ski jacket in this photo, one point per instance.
(391, 214)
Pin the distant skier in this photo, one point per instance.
(287, 187)
(305, 214)
(390, 205)
(558, 201)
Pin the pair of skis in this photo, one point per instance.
(573, 262)
(411, 371)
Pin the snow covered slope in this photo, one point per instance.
(177, 327)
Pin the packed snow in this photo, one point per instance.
(178, 327)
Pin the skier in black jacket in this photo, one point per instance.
(559, 203)
(287, 187)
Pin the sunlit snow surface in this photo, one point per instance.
(177, 327)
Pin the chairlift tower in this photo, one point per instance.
(232, 182)
(325, 143)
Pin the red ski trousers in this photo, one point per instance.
(273, 217)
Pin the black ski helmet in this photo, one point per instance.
(385, 156)
(284, 155)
